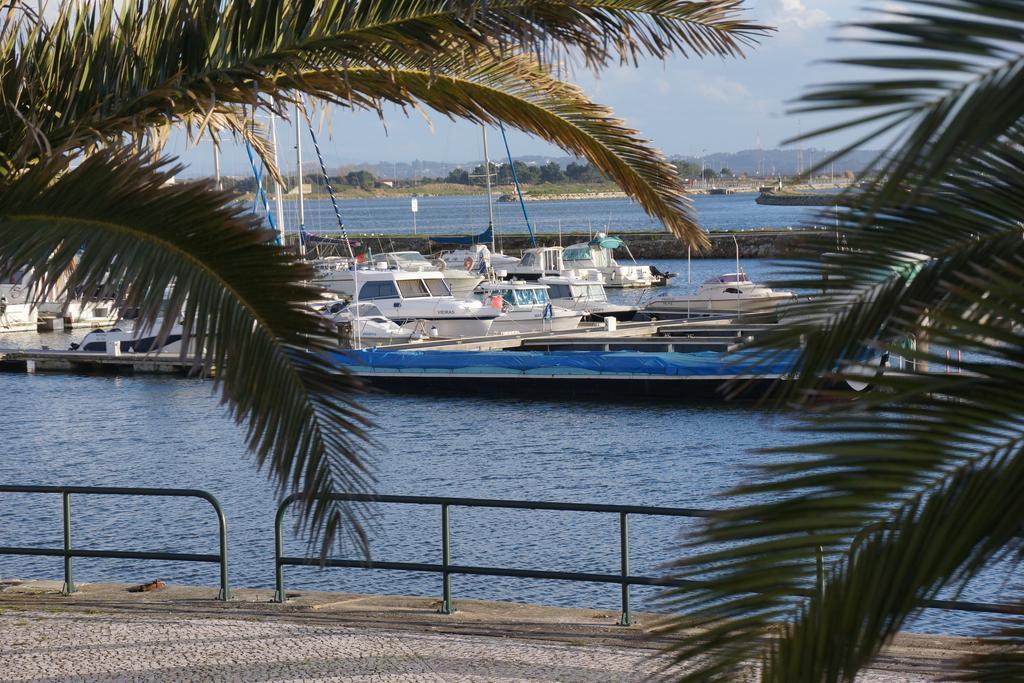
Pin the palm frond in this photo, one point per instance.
(1002, 660)
(964, 93)
(116, 215)
(174, 59)
(519, 92)
(926, 466)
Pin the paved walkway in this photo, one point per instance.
(105, 634)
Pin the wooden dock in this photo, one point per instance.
(54, 360)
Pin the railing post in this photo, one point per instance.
(69, 581)
(279, 595)
(222, 526)
(446, 560)
(627, 614)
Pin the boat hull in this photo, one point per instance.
(18, 318)
(508, 324)
(450, 328)
(685, 307)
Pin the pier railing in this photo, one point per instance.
(68, 551)
(447, 569)
(624, 578)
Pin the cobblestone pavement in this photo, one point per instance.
(50, 646)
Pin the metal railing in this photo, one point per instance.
(624, 579)
(68, 552)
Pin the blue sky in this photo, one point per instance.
(684, 106)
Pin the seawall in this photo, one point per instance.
(643, 245)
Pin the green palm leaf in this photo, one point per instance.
(518, 91)
(175, 59)
(926, 467)
(115, 213)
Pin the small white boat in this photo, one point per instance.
(462, 281)
(525, 307)
(597, 255)
(81, 312)
(584, 292)
(367, 324)
(537, 263)
(728, 293)
(333, 273)
(18, 311)
(477, 257)
(423, 302)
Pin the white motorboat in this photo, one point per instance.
(333, 273)
(118, 340)
(537, 263)
(461, 280)
(81, 312)
(728, 293)
(526, 308)
(367, 324)
(477, 258)
(597, 255)
(18, 311)
(424, 303)
(584, 292)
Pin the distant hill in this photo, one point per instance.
(750, 161)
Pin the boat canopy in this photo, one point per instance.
(483, 237)
(607, 242)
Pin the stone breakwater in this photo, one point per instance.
(643, 245)
(799, 199)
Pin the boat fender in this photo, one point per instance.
(3, 305)
(468, 263)
(441, 265)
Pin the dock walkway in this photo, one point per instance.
(179, 633)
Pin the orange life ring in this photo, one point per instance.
(468, 263)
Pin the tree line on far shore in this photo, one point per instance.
(527, 174)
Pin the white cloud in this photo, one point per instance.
(794, 13)
(722, 89)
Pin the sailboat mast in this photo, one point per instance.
(298, 178)
(216, 165)
(278, 194)
(487, 177)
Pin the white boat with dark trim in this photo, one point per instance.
(727, 293)
(367, 325)
(18, 311)
(119, 340)
(526, 308)
(423, 302)
(584, 292)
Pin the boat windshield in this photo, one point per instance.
(412, 289)
(728, 278)
(527, 297)
(413, 258)
(576, 254)
(438, 287)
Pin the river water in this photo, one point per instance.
(151, 431)
(468, 214)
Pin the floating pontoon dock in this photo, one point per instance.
(665, 359)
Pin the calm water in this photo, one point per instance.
(468, 214)
(170, 432)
